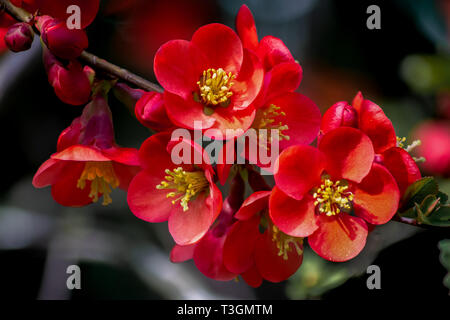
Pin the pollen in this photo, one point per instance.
(266, 119)
(183, 185)
(332, 197)
(215, 86)
(103, 179)
(283, 242)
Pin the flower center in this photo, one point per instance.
(186, 185)
(215, 87)
(103, 180)
(332, 197)
(265, 119)
(284, 242)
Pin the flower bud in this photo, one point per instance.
(151, 112)
(71, 83)
(19, 37)
(62, 42)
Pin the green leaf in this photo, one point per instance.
(440, 217)
(444, 257)
(443, 197)
(419, 190)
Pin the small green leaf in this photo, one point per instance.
(419, 190)
(443, 197)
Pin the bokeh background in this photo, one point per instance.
(404, 67)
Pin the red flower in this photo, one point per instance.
(71, 82)
(370, 119)
(61, 41)
(435, 146)
(271, 255)
(169, 189)
(88, 164)
(215, 82)
(317, 189)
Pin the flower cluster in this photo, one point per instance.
(224, 84)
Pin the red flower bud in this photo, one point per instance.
(151, 112)
(71, 83)
(62, 42)
(19, 37)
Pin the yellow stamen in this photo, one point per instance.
(185, 185)
(332, 197)
(284, 242)
(401, 142)
(103, 180)
(265, 119)
(215, 86)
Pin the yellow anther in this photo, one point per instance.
(185, 185)
(265, 119)
(215, 86)
(284, 242)
(103, 179)
(332, 197)
(401, 142)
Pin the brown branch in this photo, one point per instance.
(90, 59)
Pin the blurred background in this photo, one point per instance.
(404, 67)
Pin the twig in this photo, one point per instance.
(90, 59)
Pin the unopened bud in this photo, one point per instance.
(151, 112)
(19, 37)
(62, 42)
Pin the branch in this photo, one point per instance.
(92, 60)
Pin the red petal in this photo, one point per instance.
(283, 77)
(125, 174)
(298, 170)
(254, 204)
(357, 101)
(402, 166)
(179, 75)
(235, 121)
(273, 51)
(153, 152)
(246, 29)
(271, 266)
(374, 123)
(208, 258)
(147, 202)
(340, 114)
(377, 196)
(49, 172)
(248, 83)
(80, 153)
(339, 238)
(293, 217)
(240, 245)
(227, 157)
(186, 113)
(182, 253)
(349, 153)
(302, 118)
(65, 190)
(252, 277)
(188, 227)
(220, 46)
(126, 156)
